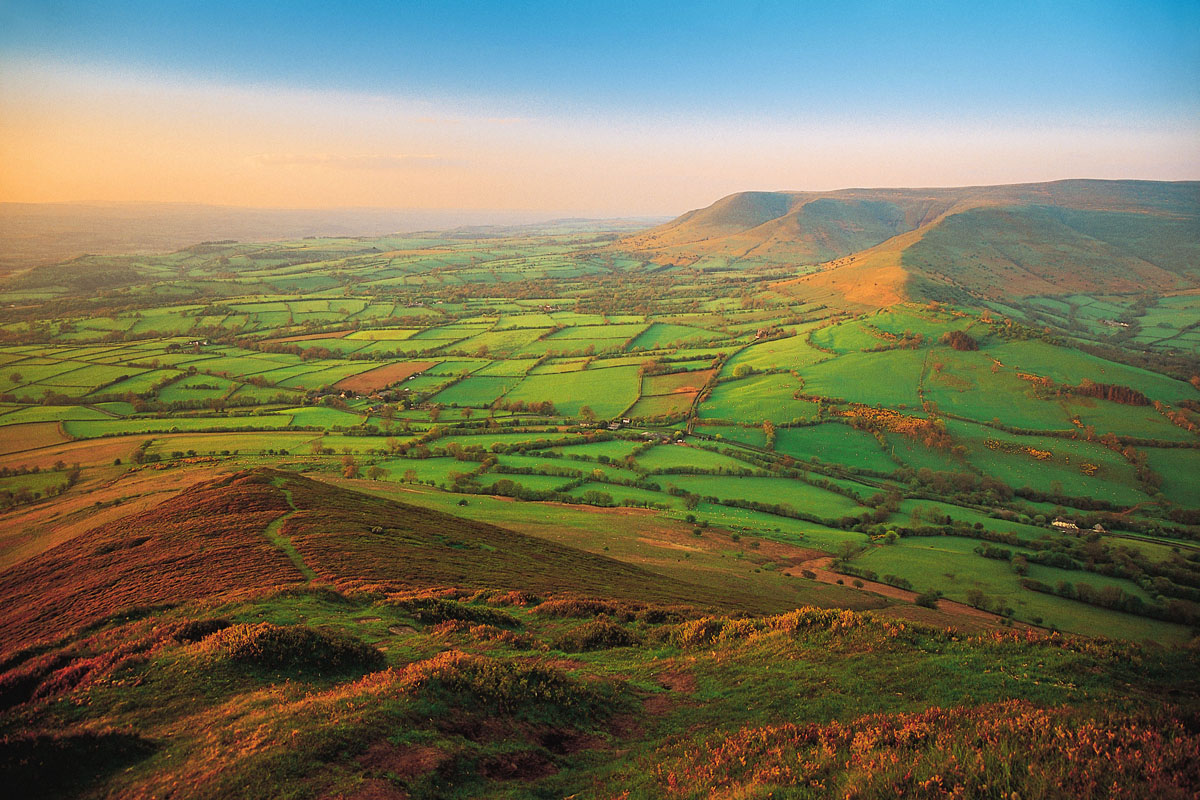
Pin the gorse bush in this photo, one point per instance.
(707, 630)
(432, 610)
(292, 647)
(492, 684)
(599, 634)
(196, 629)
(1004, 750)
(581, 607)
(487, 633)
(514, 598)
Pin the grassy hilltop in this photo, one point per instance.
(864, 493)
(878, 246)
(308, 645)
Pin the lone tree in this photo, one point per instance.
(960, 340)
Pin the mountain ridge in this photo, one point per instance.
(868, 247)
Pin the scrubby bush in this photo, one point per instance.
(599, 634)
(196, 629)
(946, 752)
(656, 615)
(928, 598)
(487, 633)
(960, 340)
(491, 684)
(581, 607)
(293, 647)
(514, 598)
(432, 610)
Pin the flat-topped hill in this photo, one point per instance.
(879, 246)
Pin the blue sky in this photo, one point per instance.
(650, 69)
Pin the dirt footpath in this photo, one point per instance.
(820, 568)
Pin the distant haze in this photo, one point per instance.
(37, 233)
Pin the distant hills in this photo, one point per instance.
(32, 234)
(874, 247)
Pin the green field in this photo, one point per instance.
(537, 347)
(758, 398)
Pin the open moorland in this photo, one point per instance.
(530, 513)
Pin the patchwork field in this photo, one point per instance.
(550, 377)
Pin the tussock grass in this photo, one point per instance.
(1001, 750)
(487, 633)
(292, 647)
(598, 634)
(501, 686)
(432, 610)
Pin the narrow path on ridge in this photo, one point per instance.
(274, 534)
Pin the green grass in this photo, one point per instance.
(437, 470)
(931, 508)
(950, 565)
(608, 392)
(615, 449)
(470, 305)
(88, 429)
(848, 337)
(536, 483)
(1179, 470)
(476, 392)
(834, 444)
(245, 443)
(664, 334)
(661, 405)
(327, 418)
(756, 399)
(50, 414)
(966, 385)
(793, 352)
(782, 491)
(1061, 473)
(1064, 366)
(628, 495)
(669, 456)
(888, 378)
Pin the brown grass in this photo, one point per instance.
(30, 436)
(205, 542)
(304, 337)
(383, 376)
(26, 531)
(87, 452)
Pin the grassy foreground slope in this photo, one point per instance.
(519, 668)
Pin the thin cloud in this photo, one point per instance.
(348, 162)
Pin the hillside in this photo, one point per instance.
(255, 531)
(264, 630)
(876, 247)
(515, 514)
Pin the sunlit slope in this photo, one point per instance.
(263, 530)
(785, 226)
(873, 248)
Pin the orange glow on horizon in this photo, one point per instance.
(69, 135)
